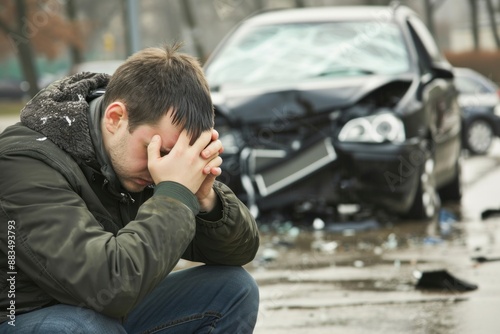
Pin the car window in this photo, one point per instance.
(288, 53)
(425, 37)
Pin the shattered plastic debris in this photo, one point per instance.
(446, 221)
(318, 224)
(349, 232)
(431, 240)
(354, 226)
(358, 264)
(293, 232)
(322, 246)
(269, 255)
(446, 216)
(392, 242)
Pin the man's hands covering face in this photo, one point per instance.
(194, 166)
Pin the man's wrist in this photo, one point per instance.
(213, 211)
(179, 192)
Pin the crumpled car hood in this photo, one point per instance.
(257, 105)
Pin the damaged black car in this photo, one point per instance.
(320, 108)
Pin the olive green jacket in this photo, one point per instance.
(69, 233)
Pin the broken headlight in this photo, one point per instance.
(374, 129)
(231, 140)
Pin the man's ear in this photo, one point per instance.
(115, 117)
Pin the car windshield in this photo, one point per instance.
(290, 53)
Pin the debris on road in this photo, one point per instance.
(442, 279)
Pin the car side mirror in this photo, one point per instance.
(443, 71)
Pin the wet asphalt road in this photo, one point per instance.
(360, 277)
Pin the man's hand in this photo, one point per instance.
(205, 194)
(195, 166)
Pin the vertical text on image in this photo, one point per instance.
(11, 271)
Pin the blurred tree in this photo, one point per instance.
(103, 24)
(431, 6)
(474, 23)
(76, 50)
(29, 27)
(189, 17)
(493, 23)
(429, 13)
(259, 4)
(299, 3)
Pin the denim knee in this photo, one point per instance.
(243, 288)
(249, 284)
(64, 319)
(244, 301)
(241, 281)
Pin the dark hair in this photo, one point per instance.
(155, 80)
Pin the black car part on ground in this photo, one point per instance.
(444, 281)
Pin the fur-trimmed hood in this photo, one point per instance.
(60, 112)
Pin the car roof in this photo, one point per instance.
(319, 14)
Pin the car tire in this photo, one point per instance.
(427, 202)
(478, 136)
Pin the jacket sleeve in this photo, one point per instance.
(63, 248)
(231, 240)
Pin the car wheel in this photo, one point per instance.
(427, 202)
(478, 136)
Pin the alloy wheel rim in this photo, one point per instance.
(479, 136)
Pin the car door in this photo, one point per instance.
(439, 97)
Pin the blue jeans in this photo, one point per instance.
(204, 299)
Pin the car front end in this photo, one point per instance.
(315, 112)
(317, 152)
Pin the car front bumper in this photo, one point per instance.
(384, 175)
(326, 173)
